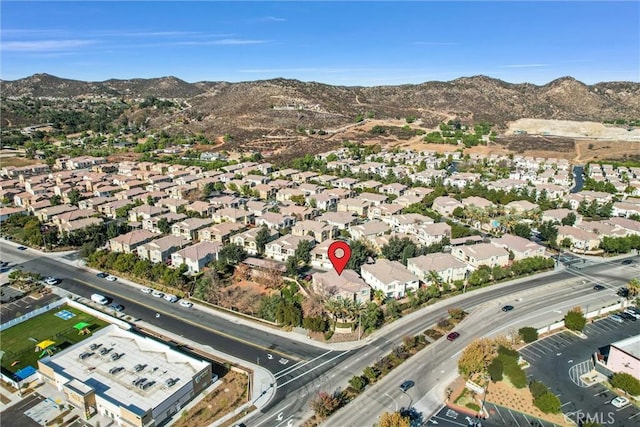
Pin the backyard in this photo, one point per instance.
(19, 342)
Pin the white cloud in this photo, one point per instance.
(221, 42)
(44, 45)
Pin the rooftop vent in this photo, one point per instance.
(104, 350)
(139, 382)
(83, 356)
(116, 356)
(115, 370)
(171, 381)
(147, 385)
(94, 346)
(139, 367)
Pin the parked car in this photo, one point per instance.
(453, 336)
(616, 318)
(146, 290)
(157, 294)
(627, 316)
(171, 298)
(627, 262)
(185, 303)
(111, 278)
(633, 312)
(406, 385)
(117, 307)
(102, 275)
(598, 287)
(507, 308)
(22, 248)
(620, 401)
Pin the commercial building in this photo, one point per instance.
(134, 380)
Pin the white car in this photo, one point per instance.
(111, 278)
(616, 318)
(633, 313)
(146, 290)
(171, 298)
(51, 281)
(157, 294)
(185, 303)
(620, 401)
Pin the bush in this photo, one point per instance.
(537, 389)
(528, 334)
(626, 382)
(328, 334)
(473, 406)
(358, 383)
(511, 368)
(575, 320)
(456, 313)
(495, 370)
(315, 324)
(548, 403)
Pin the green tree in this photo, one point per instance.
(74, 196)
(231, 254)
(495, 370)
(522, 230)
(575, 320)
(262, 238)
(548, 232)
(548, 403)
(570, 219)
(626, 382)
(360, 252)
(528, 334)
(303, 251)
(164, 226)
(357, 383)
(55, 200)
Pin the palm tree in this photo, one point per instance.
(332, 306)
(634, 287)
(378, 296)
(434, 277)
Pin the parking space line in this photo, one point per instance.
(545, 346)
(514, 418)
(449, 420)
(633, 416)
(529, 353)
(499, 413)
(568, 403)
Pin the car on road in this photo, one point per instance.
(620, 401)
(102, 275)
(117, 307)
(51, 281)
(171, 298)
(616, 318)
(598, 287)
(146, 290)
(507, 308)
(406, 385)
(157, 294)
(453, 336)
(22, 248)
(185, 303)
(623, 292)
(627, 262)
(111, 278)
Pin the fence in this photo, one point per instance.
(33, 313)
(99, 314)
(591, 314)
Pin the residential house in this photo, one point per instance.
(275, 221)
(348, 286)
(48, 213)
(142, 212)
(372, 199)
(70, 227)
(320, 231)
(160, 250)
(127, 243)
(239, 216)
(359, 207)
(384, 210)
(189, 227)
(446, 266)
(204, 209)
(284, 247)
(482, 254)
(324, 201)
(341, 220)
(581, 240)
(522, 248)
(521, 206)
(247, 239)
(71, 216)
(257, 208)
(220, 232)
(557, 215)
(394, 189)
(369, 229)
(299, 212)
(445, 205)
(151, 224)
(429, 234)
(196, 256)
(391, 277)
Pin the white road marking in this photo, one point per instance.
(312, 369)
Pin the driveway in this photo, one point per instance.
(559, 361)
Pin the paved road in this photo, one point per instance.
(309, 369)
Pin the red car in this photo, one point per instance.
(452, 336)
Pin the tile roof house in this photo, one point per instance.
(79, 224)
(581, 240)
(369, 229)
(391, 277)
(348, 286)
(160, 250)
(275, 221)
(522, 248)
(445, 205)
(341, 220)
(284, 247)
(482, 254)
(189, 227)
(127, 243)
(196, 256)
(220, 232)
(320, 231)
(384, 210)
(151, 224)
(239, 216)
(521, 206)
(247, 239)
(557, 215)
(429, 234)
(448, 267)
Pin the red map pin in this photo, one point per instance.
(339, 255)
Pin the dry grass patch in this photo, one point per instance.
(227, 397)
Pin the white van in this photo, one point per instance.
(99, 299)
(171, 298)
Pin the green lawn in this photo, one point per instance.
(19, 342)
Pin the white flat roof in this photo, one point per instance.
(161, 363)
(629, 345)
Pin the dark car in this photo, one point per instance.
(453, 336)
(117, 307)
(22, 248)
(102, 275)
(623, 292)
(507, 308)
(627, 262)
(598, 287)
(406, 385)
(627, 316)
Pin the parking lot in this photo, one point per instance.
(499, 416)
(559, 361)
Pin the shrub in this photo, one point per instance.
(513, 354)
(358, 383)
(473, 406)
(528, 334)
(626, 382)
(548, 403)
(456, 313)
(328, 334)
(575, 320)
(516, 375)
(495, 370)
(537, 389)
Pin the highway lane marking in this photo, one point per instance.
(215, 331)
(313, 369)
(299, 365)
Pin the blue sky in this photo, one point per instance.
(348, 43)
